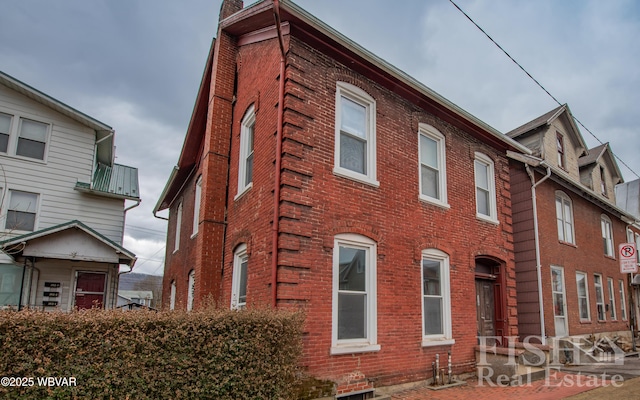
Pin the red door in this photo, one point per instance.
(90, 287)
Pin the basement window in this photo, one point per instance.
(360, 395)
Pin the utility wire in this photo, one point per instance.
(539, 84)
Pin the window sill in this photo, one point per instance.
(609, 257)
(435, 202)
(194, 234)
(352, 348)
(345, 173)
(243, 191)
(585, 322)
(488, 219)
(437, 342)
(567, 243)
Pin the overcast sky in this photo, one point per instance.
(136, 65)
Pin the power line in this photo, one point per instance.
(539, 84)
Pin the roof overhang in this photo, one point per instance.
(563, 179)
(321, 36)
(18, 245)
(104, 133)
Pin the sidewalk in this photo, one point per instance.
(557, 386)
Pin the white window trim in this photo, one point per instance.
(607, 234)
(612, 299)
(14, 134)
(176, 245)
(493, 209)
(446, 338)
(564, 198)
(623, 299)
(370, 343)
(601, 285)
(586, 291)
(432, 133)
(6, 208)
(637, 237)
(248, 121)
(191, 289)
(172, 296)
(196, 206)
(361, 97)
(239, 256)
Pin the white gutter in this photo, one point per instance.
(536, 234)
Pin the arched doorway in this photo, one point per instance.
(490, 298)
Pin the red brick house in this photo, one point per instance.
(315, 175)
(567, 229)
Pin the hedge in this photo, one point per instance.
(210, 354)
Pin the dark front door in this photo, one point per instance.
(485, 307)
(90, 287)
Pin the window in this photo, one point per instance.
(558, 293)
(355, 141)
(172, 298)
(599, 296)
(623, 301)
(196, 206)
(5, 131)
(638, 247)
(612, 300)
(485, 188)
(560, 147)
(603, 182)
(436, 302)
(21, 215)
(239, 285)
(176, 245)
(432, 155)
(32, 139)
(354, 295)
(607, 236)
(191, 289)
(245, 168)
(564, 217)
(583, 296)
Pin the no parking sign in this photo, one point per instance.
(628, 258)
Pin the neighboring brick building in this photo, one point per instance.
(392, 206)
(579, 228)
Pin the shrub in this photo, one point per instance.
(212, 354)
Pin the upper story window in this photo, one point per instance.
(560, 147)
(196, 206)
(355, 141)
(354, 295)
(28, 138)
(485, 188)
(239, 280)
(247, 137)
(603, 182)
(5, 131)
(21, 214)
(433, 174)
(607, 235)
(176, 244)
(564, 217)
(436, 299)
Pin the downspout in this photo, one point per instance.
(543, 337)
(276, 190)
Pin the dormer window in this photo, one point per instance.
(560, 147)
(603, 182)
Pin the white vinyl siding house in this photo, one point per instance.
(62, 218)
(69, 160)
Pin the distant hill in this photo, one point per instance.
(135, 281)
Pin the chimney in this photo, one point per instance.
(229, 7)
